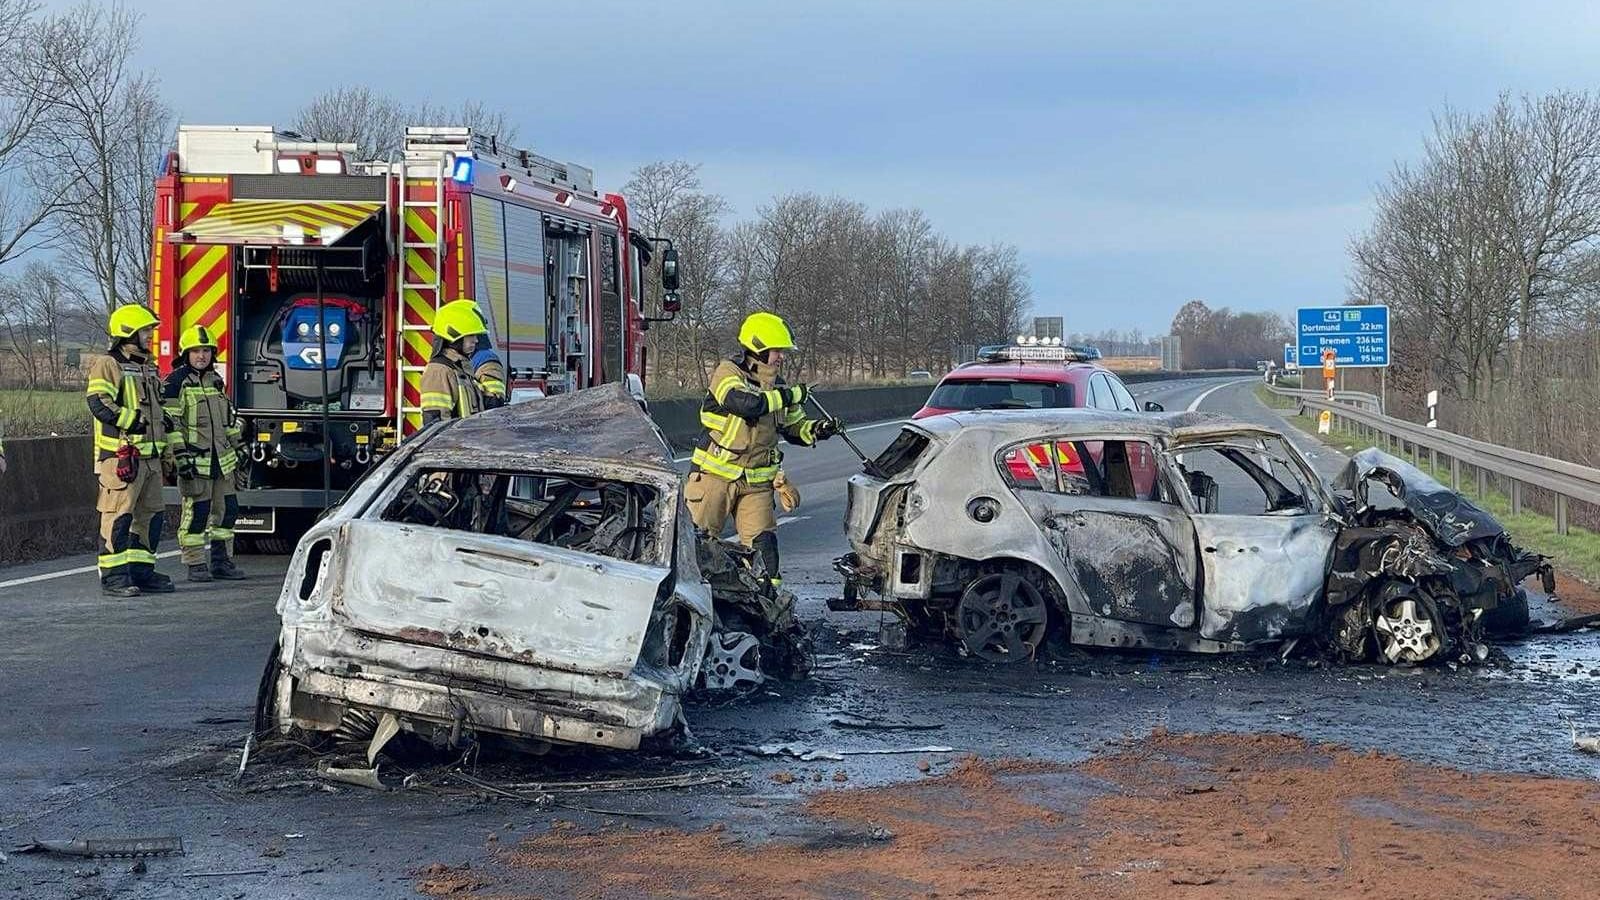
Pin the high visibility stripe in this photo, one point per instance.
(125, 416)
(721, 389)
(239, 221)
(435, 400)
(102, 386)
(204, 283)
(774, 400)
(421, 227)
(808, 432)
(709, 463)
(112, 560)
(219, 533)
(136, 556)
(761, 474)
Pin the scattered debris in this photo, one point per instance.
(924, 766)
(96, 848)
(228, 874)
(783, 777)
(244, 755)
(358, 777)
(840, 776)
(1584, 742)
(388, 727)
(273, 851)
(808, 754)
(138, 867)
(862, 723)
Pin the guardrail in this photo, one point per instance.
(1370, 402)
(1566, 481)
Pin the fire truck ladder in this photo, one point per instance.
(430, 291)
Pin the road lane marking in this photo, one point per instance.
(1195, 406)
(787, 519)
(81, 570)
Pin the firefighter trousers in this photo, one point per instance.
(131, 515)
(712, 500)
(210, 506)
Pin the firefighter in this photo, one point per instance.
(208, 446)
(491, 375)
(130, 440)
(746, 410)
(449, 390)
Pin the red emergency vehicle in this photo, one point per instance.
(319, 276)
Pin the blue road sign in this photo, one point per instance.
(1359, 336)
(1290, 357)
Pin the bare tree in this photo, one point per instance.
(23, 210)
(376, 122)
(102, 125)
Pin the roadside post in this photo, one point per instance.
(1358, 337)
(1329, 361)
(1433, 409)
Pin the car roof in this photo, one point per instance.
(1022, 424)
(598, 426)
(1022, 371)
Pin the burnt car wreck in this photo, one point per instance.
(1001, 532)
(529, 575)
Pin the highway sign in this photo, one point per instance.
(1358, 336)
(1289, 357)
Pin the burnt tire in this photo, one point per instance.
(1003, 617)
(267, 692)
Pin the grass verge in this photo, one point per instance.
(1576, 553)
(29, 413)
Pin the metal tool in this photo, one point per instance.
(866, 461)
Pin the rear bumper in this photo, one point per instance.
(328, 670)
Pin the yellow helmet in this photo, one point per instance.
(457, 319)
(196, 336)
(127, 320)
(765, 331)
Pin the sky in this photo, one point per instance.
(1139, 155)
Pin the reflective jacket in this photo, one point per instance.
(204, 424)
(744, 413)
(448, 390)
(125, 392)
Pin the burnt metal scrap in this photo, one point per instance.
(1004, 532)
(1434, 575)
(527, 576)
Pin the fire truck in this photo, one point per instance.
(319, 275)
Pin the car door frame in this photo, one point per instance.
(1107, 528)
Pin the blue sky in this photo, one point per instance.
(1139, 154)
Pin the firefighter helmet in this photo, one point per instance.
(765, 331)
(196, 336)
(127, 320)
(457, 319)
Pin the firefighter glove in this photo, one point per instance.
(827, 428)
(796, 394)
(186, 467)
(788, 494)
(127, 463)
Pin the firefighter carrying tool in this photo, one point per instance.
(449, 390)
(207, 446)
(130, 442)
(737, 460)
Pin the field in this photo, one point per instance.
(25, 413)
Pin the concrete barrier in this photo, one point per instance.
(679, 420)
(47, 498)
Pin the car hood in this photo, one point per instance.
(1450, 518)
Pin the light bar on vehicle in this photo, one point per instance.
(1051, 354)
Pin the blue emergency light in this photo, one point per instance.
(461, 169)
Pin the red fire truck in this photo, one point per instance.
(319, 276)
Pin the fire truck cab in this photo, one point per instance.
(319, 276)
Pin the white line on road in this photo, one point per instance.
(787, 519)
(81, 570)
(1206, 393)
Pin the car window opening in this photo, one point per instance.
(608, 518)
(901, 453)
(1235, 480)
(1114, 469)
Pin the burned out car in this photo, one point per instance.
(1185, 531)
(528, 573)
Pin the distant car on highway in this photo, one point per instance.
(921, 375)
(1030, 377)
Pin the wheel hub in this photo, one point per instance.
(1406, 632)
(1001, 618)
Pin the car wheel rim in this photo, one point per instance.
(1406, 632)
(1002, 618)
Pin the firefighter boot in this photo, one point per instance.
(199, 572)
(149, 580)
(116, 583)
(222, 564)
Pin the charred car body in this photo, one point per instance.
(528, 573)
(1179, 531)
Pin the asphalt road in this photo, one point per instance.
(125, 717)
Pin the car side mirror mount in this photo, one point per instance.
(1152, 406)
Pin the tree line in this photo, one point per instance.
(1487, 250)
(1223, 339)
(868, 295)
